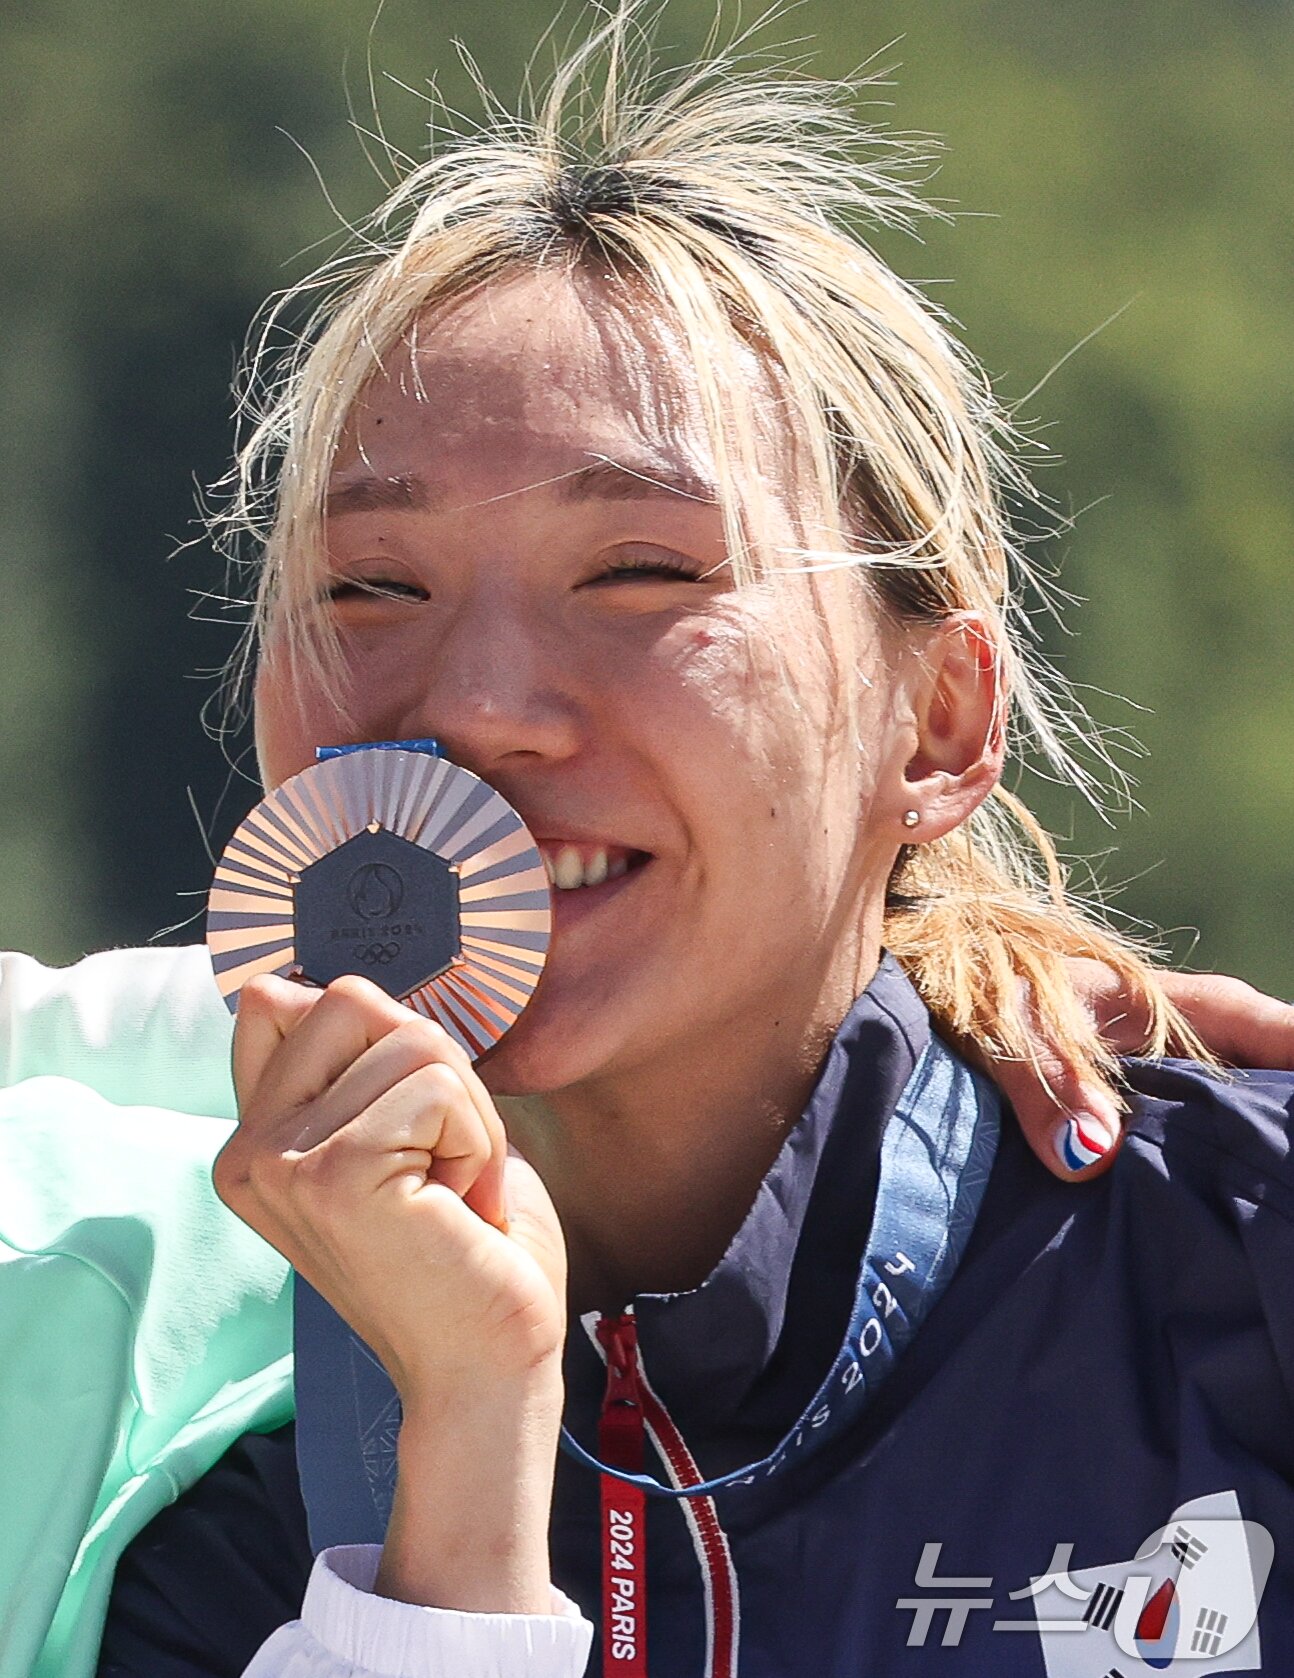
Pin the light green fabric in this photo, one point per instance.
(143, 1328)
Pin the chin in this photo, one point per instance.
(539, 1055)
(518, 1070)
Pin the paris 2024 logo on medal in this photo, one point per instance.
(375, 891)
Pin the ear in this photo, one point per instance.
(960, 714)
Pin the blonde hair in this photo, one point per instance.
(737, 201)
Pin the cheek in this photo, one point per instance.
(708, 680)
(805, 748)
(292, 718)
(296, 711)
(771, 690)
(747, 727)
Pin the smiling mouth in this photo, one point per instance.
(570, 866)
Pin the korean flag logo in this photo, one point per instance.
(1186, 1603)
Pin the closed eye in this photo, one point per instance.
(649, 562)
(373, 588)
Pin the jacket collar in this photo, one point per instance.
(742, 1354)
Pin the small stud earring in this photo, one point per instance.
(912, 818)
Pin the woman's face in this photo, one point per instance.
(526, 560)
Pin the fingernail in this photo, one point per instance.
(1083, 1138)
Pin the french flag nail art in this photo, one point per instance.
(1081, 1141)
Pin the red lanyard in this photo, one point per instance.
(621, 1444)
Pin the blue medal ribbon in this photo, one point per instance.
(936, 1156)
(431, 747)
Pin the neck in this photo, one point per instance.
(653, 1170)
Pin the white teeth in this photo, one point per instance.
(568, 869)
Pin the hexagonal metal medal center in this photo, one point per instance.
(381, 906)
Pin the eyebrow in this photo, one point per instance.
(614, 480)
(600, 480)
(404, 493)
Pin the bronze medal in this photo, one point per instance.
(396, 865)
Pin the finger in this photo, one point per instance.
(487, 1198)
(318, 1043)
(1122, 1018)
(386, 1067)
(411, 1044)
(1072, 1124)
(268, 1008)
(1240, 1024)
(425, 1128)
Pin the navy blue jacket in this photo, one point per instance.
(1105, 1354)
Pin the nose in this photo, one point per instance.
(496, 686)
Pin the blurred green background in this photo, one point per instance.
(1101, 154)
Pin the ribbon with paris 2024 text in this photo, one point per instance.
(622, 1445)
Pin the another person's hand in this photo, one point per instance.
(1241, 1025)
(370, 1154)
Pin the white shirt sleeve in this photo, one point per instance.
(346, 1632)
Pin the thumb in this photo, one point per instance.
(269, 1007)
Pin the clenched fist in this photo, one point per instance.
(371, 1155)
